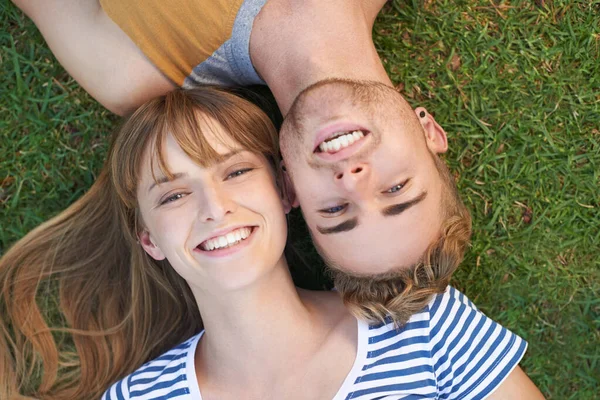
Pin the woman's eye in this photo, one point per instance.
(238, 172)
(395, 188)
(334, 210)
(172, 198)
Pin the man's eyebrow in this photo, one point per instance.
(165, 179)
(343, 227)
(401, 207)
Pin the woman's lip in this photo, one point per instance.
(330, 129)
(228, 250)
(225, 231)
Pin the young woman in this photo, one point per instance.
(173, 284)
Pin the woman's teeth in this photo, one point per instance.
(228, 240)
(340, 140)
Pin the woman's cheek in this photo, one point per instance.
(172, 224)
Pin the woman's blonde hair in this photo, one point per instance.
(117, 307)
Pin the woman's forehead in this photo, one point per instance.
(160, 161)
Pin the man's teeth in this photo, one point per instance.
(340, 141)
(230, 239)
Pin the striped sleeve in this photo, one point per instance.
(162, 378)
(472, 354)
(117, 391)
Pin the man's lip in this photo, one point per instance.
(346, 152)
(330, 129)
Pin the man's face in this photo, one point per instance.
(372, 197)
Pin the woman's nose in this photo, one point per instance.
(216, 204)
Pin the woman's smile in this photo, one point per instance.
(226, 243)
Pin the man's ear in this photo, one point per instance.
(288, 194)
(436, 137)
(149, 246)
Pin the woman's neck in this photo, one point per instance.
(247, 331)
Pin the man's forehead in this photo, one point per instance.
(375, 221)
(383, 242)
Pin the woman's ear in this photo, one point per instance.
(149, 246)
(435, 135)
(288, 194)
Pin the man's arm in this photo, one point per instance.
(97, 53)
(517, 386)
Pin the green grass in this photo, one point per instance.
(515, 83)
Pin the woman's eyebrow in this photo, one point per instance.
(164, 179)
(224, 157)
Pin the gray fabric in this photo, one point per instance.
(230, 64)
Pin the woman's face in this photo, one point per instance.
(222, 226)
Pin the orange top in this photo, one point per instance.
(176, 35)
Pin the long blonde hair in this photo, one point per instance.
(117, 307)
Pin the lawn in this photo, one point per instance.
(516, 84)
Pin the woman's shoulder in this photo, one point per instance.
(165, 376)
(449, 348)
(471, 353)
(449, 298)
(448, 311)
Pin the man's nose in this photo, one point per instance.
(354, 178)
(215, 204)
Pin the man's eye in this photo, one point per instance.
(238, 172)
(172, 198)
(334, 210)
(395, 188)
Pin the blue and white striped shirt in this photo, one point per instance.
(450, 350)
